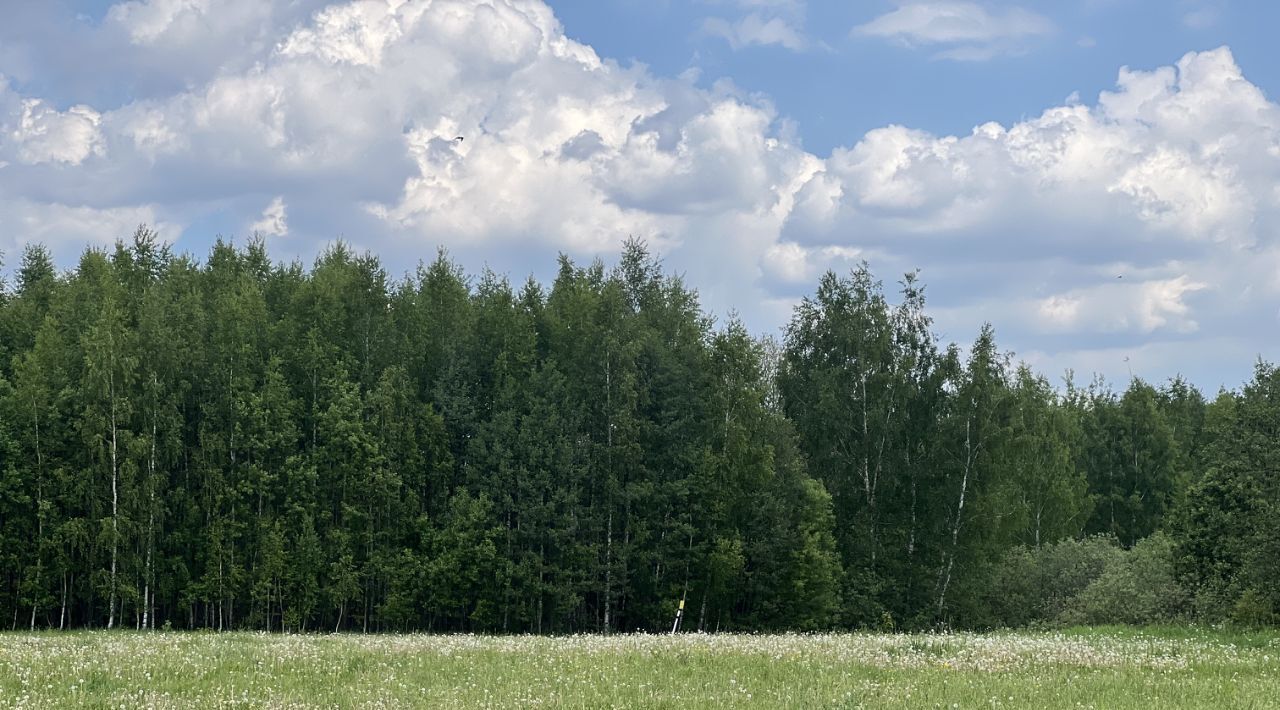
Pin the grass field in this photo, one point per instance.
(1098, 668)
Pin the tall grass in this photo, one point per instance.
(1107, 668)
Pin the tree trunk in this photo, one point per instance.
(542, 567)
(608, 549)
(608, 572)
(702, 613)
(911, 532)
(955, 527)
(220, 594)
(151, 512)
(867, 488)
(35, 414)
(115, 498)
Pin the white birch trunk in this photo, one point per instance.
(115, 500)
(35, 414)
(955, 527)
(608, 549)
(151, 514)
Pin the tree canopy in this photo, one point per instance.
(237, 443)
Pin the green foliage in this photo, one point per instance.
(234, 443)
(1225, 528)
(1139, 587)
(1089, 581)
(1037, 585)
(1253, 609)
(1044, 497)
(1131, 461)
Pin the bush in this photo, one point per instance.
(1253, 610)
(1095, 581)
(1014, 596)
(1070, 567)
(1036, 585)
(1137, 587)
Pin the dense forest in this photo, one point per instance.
(238, 443)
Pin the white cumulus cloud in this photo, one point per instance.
(148, 20)
(479, 125)
(274, 220)
(1144, 306)
(1150, 214)
(45, 135)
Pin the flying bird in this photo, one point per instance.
(458, 138)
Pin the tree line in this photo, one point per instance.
(237, 443)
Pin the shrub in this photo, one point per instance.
(1253, 610)
(1036, 585)
(1137, 587)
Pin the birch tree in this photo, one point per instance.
(109, 376)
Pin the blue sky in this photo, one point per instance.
(1098, 178)
(844, 86)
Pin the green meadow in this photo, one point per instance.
(1095, 668)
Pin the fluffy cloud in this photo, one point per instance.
(63, 227)
(274, 221)
(349, 117)
(208, 30)
(1146, 217)
(146, 21)
(45, 135)
(1179, 155)
(792, 264)
(1144, 307)
(967, 31)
